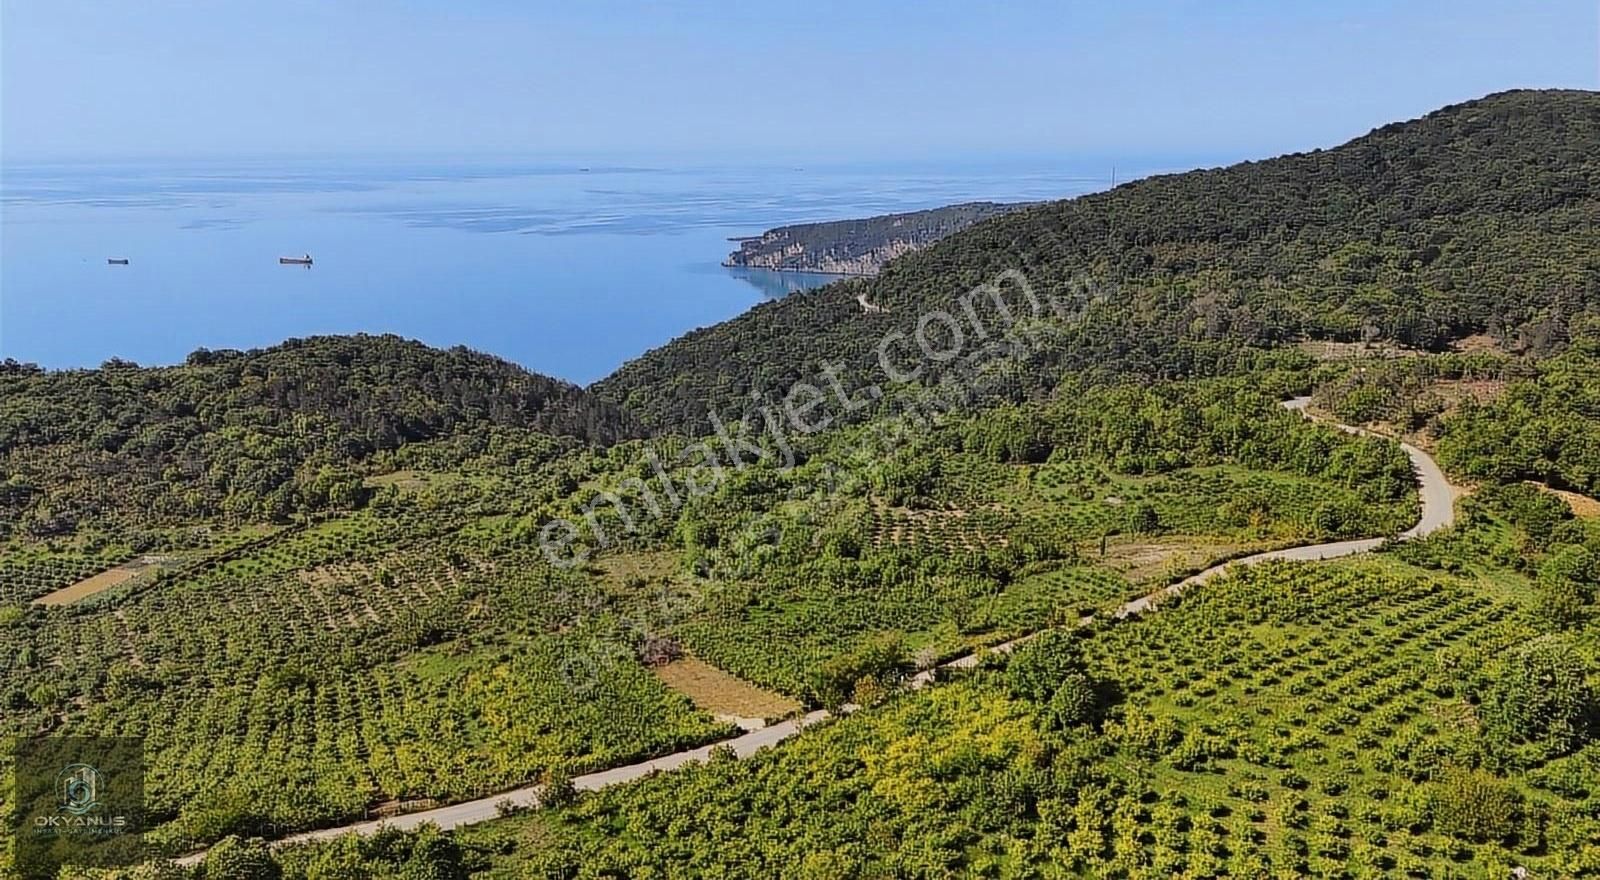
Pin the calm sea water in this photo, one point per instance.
(566, 270)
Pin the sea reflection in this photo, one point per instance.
(777, 285)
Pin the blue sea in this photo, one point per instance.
(565, 268)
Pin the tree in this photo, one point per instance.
(879, 664)
(234, 858)
(828, 865)
(45, 696)
(1566, 585)
(1041, 664)
(1476, 805)
(1075, 701)
(1330, 519)
(558, 789)
(1048, 671)
(435, 855)
(907, 477)
(1541, 694)
(1143, 519)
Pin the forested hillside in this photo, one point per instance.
(1481, 217)
(258, 434)
(857, 247)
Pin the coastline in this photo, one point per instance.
(729, 264)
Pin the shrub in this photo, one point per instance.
(1147, 736)
(1566, 584)
(236, 859)
(1475, 805)
(883, 659)
(1041, 664)
(1074, 702)
(1541, 695)
(558, 790)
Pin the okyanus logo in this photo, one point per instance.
(80, 789)
(79, 786)
(77, 800)
(83, 823)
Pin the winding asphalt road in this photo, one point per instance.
(1438, 511)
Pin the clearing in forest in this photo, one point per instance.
(94, 584)
(1140, 560)
(1327, 350)
(724, 696)
(409, 481)
(659, 564)
(1582, 505)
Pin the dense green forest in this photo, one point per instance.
(256, 435)
(317, 579)
(1479, 218)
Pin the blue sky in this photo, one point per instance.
(755, 80)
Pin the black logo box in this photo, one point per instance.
(76, 800)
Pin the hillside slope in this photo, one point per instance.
(1481, 217)
(857, 247)
(250, 431)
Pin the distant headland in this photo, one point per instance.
(856, 247)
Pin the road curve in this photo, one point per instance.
(1438, 511)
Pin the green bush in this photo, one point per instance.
(1475, 805)
(1540, 694)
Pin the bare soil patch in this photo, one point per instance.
(1324, 350)
(1477, 390)
(1139, 560)
(721, 694)
(404, 481)
(657, 564)
(1478, 342)
(1582, 505)
(334, 574)
(94, 584)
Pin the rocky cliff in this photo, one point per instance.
(857, 247)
